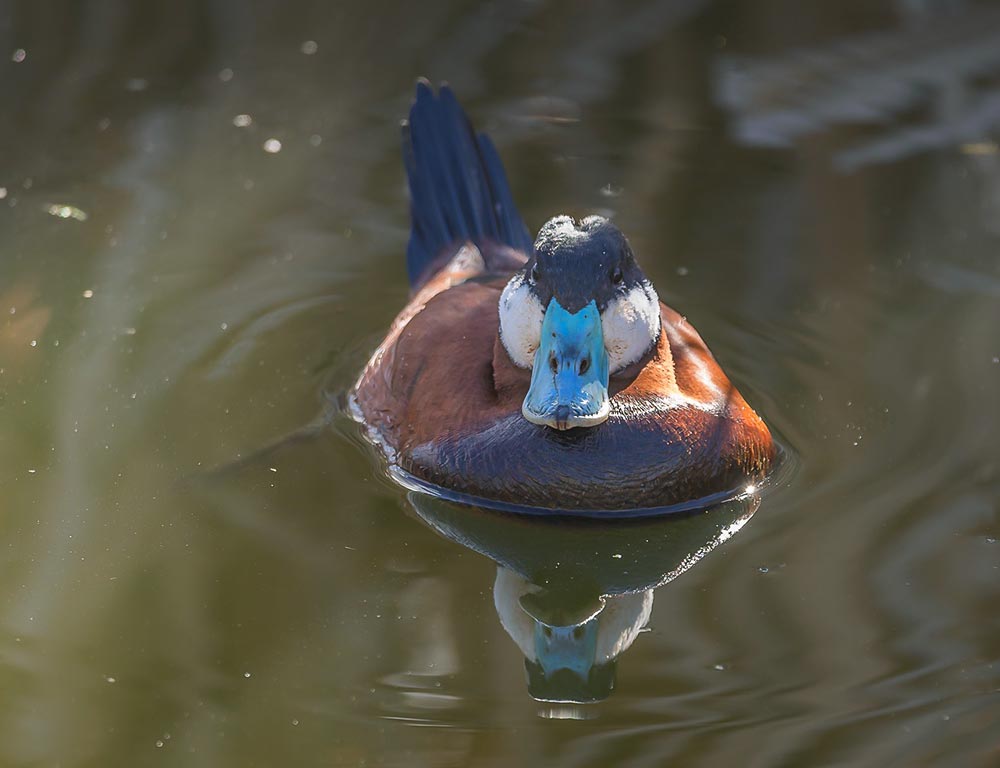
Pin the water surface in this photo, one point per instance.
(201, 235)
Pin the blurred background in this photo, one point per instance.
(203, 218)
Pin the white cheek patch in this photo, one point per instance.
(631, 325)
(521, 316)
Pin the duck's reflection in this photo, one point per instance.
(574, 595)
(569, 644)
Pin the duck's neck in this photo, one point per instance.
(508, 379)
(652, 374)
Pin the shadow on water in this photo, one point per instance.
(575, 594)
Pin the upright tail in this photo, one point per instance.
(458, 188)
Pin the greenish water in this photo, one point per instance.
(174, 296)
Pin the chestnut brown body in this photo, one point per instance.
(443, 398)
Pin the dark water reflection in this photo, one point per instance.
(575, 594)
(294, 612)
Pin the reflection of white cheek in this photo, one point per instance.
(507, 592)
(631, 325)
(521, 317)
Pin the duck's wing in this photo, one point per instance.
(458, 188)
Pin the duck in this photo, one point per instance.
(540, 374)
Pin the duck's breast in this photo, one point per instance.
(678, 430)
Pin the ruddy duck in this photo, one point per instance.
(543, 374)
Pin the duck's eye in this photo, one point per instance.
(617, 276)
(534, 273)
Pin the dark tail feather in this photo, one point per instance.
(458, 188)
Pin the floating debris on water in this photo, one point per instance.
(62, 211)
(19, 55)
(3, 192)
(136, 84)
(272, 146)
(309, 47)
(226, 75)
(315, 139)
(979, 148)
(88, 294)
(551, 110)
(878, 78)
(242, 121)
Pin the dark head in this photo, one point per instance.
(568, 686)
(579, 311)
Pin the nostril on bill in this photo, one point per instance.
(584, 365)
